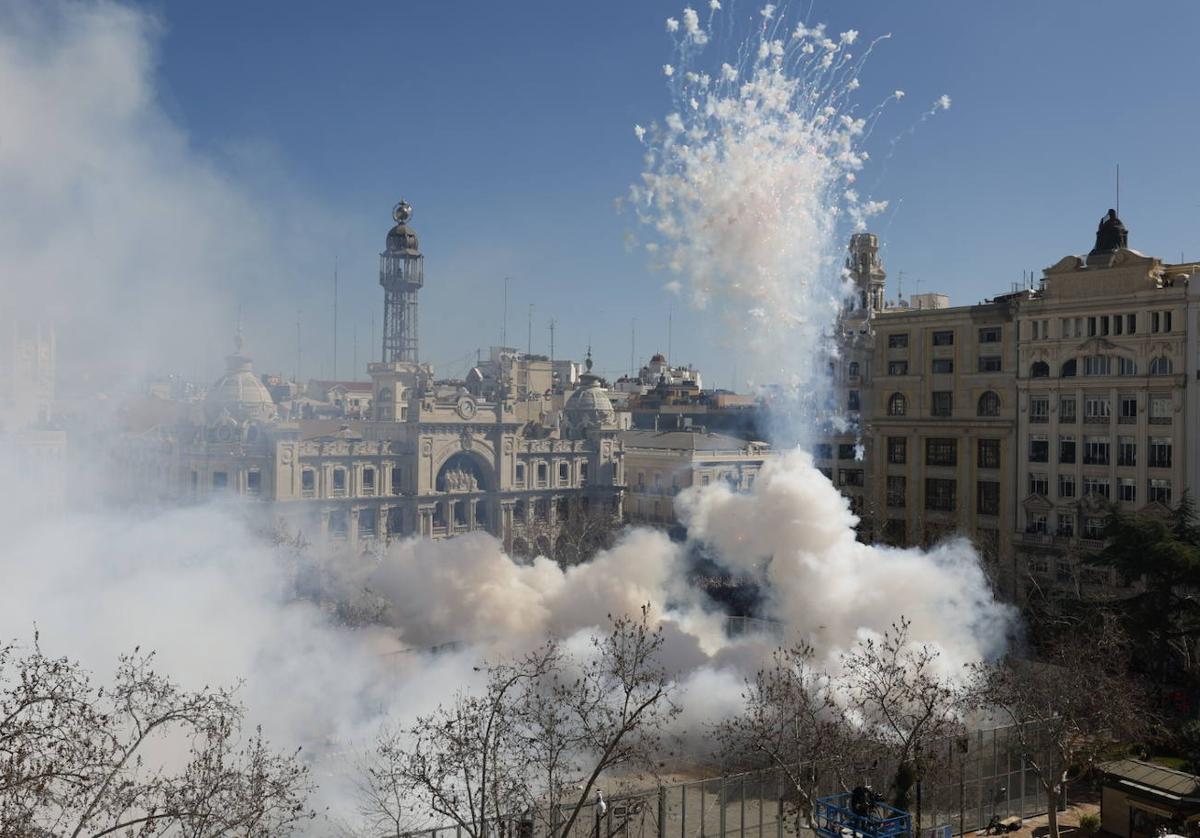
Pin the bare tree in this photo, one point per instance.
(578, 535)
(535, 743)
(1067, 708)
(897, 689)
(791, 722)
(75, 758)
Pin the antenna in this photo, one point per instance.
(670, 315)
(299, 344)
(504, 322)
(632, 346)
(552, 341)
(335, 290)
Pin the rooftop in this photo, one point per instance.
(686, 441)
(1147, 776)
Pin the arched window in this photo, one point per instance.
(1040, 369)
(1126, 366)
(989, 404)
(852, 370)
(1160, 365)
(897, 405)
(1069, 368)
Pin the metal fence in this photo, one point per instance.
(979, 775)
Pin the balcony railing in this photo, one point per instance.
(1160, 420)
(1126, 420)
(1097, 420)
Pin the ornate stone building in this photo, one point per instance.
(433, 460)
(1015, 422)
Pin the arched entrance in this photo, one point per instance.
(463, 472)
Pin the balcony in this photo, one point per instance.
(1160, 420)
(1097, 420)
(1126, 420)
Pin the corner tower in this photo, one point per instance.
(401, 273)
(866, 270)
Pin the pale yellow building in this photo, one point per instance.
(660, 464)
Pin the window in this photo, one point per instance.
(1093, 527)
(1126, 489)
(398, 479)
(942, 366)
(897, 368)
(564, 474)
(1160, 410)
(989, 404)
(254, 482)
(1096, 411)
(1095, 486)
(308, 483)
(1160, 365)
(940, 494)
(1064, 327)
(1066, 485)
(895, 532)
(987, 497)
(1126, 451)
(583, 473)
(1066, 449)
(989, 453)
(852, 400)
(367, 523)
(989, 334)
(852, 369)
(1131, 324)
(339, 481)
(898, 341)
(368, 481)
(543, 471)
(989, 363)
(521, 511)
(823, 451)
(1104, 325)
(943, 338)
(1091, 324)
(897, 450)
(1096, 365)
(1040, 369)
(896, 491)
(851, 477)
(1066, 525)
(220, 480)
(1095, 450)
(1039, 410)
(1037, 524)
(1126, 366)
(897, 405)
(941, 451)
(338, 523)
(1129, 411)
(846, 451)
(1118, 324)
(520, 473)
(1160, 492)
(1160, 452)
(1039, 449)
(1038, 484)
(1066, 409)
(1069, 368)
(943, 403)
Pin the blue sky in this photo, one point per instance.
(508, 125)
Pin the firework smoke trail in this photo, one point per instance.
(750, 184)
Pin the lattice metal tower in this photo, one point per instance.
(401, 273)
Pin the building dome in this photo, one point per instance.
(589, 406)
(658, 358)
(402, 238)
(239, 392)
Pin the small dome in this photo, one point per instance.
(239, 392)
(658, 359)
(589, 407)
(401, 238)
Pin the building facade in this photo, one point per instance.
(432, 459)
(1015, 422)
(661, 464)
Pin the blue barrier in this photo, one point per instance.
(836, 819)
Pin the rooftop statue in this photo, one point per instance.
(1111, 234)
